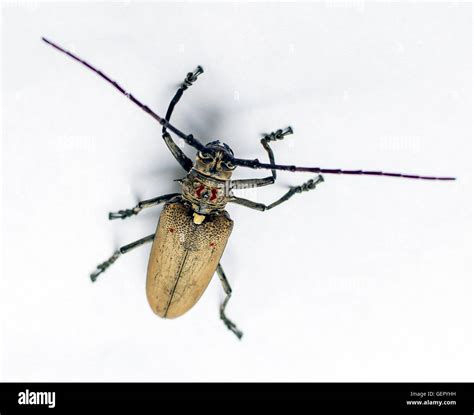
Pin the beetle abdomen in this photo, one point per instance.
(183, 258)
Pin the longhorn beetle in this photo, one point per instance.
(194, 226)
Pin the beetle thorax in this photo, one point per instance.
(205, 194)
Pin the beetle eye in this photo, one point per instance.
(228, 165)
(206, 157)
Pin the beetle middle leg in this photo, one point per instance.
(126, 213)
(123, 250)
(309, 185)
(228, 290)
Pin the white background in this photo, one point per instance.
(363, 279)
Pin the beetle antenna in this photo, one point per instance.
(188, 138)
(255, 164)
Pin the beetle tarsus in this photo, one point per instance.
(228, 290)
(278, 134)
(192, 77)
(309, 185)
(123, 214)
(229, 324)
(233, 328)
(102, 267)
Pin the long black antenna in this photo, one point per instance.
(255, 164)
(188, 138)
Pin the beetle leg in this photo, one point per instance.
(102, 267)
(277, 135)
(246, 183)
(309, 185)
(249, 183)
(178, 154)
(228, 290)
(123, 250)
(122, 214)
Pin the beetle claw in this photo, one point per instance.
(95, 274)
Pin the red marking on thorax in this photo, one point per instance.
(199, 190)
(212, 244)
(170, 230)
(213, 194)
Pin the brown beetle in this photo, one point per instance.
(194, 226)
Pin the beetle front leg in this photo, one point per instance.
(309, 185)
(247, 183)
(123, 250)
(126, 213)
(277, 135)
(178, 154)
(228, 290)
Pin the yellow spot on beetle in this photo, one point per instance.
(198, 219)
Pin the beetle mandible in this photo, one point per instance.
(194, 226)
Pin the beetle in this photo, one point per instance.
(194, 227)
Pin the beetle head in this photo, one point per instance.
(215, 160)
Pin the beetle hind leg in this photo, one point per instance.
(228, 290)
